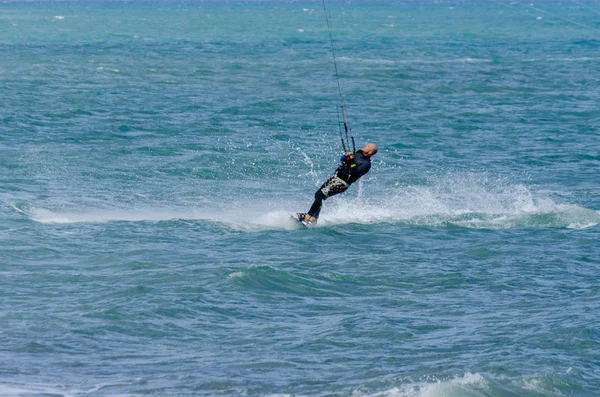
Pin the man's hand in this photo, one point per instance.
(349, 155)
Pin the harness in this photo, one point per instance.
(344, 170)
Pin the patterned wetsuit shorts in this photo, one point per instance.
(333, 186)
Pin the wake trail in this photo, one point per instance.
(463, 201)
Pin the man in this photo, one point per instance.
(354, 165)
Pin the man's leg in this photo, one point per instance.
(315, 208)
(331, 187)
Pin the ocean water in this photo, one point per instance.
(151, 154)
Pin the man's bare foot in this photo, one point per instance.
(310, 219)
(306, 218)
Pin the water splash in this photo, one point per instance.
(468, 201)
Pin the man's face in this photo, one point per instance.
(369, 150)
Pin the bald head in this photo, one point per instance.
(370, 149)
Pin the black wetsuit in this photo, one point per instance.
(346, 174)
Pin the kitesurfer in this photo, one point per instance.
(354, 165)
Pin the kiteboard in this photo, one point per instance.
(303, 224)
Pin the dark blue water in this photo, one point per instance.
(151, 155)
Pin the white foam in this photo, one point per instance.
(274, 220)
(576, 59)
(237, 219)
(411, 61)
(236, 275)
(36, 389)
(468, 201)
(543, 386)
(471, 201)
(20, 390)
(102, 216)
(531, 384)
(562, 59)
(102, 69)
(461, 386)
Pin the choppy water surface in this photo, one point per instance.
(151, 154)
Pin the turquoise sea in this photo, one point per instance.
(151, 154)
